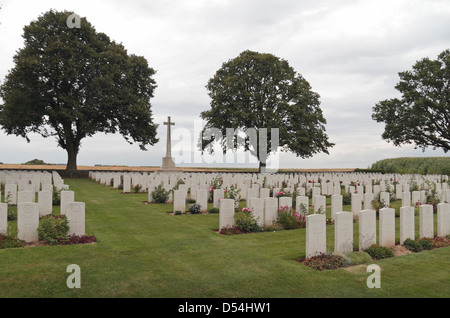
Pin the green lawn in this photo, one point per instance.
(143, 251)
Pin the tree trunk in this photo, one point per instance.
(262, 167)
(71, 168)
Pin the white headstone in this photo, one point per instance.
(367, 229)
(387, 227)
(66, 197)
(75, 214)
(24, 196)
(315, 234)
(218, 194)
(28, 221)
(336, 205)
(201, 198)
(368, 198)
(426, 223)
(226, 213)
(179, 201)
(407, 229)
(443, 219)
(385, 198)
(302, 200)
(356, 203)
(320, 204)
(3, 218)
(270, 210)
(126, 183)
(406, 198)
(264, 193)
(45, 202)
(343, 232)
(257, 206)
(285, 201)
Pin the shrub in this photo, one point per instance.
(357, 258)
(289, 219)
(177, 213)
(440, 241)
(160, 195)
(347, 198)
(56, 196)
(7, 241)
(426, 243)
(194, 208)
(246, 222)
(79, 239)
(213, 210)
(137, 188)
(413, 245)
(325, 261)
(12, 214)
(53, 229)
(230, 230)
(379, 252)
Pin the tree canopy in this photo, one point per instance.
(257, 91)
(71, 83)
(422, 115)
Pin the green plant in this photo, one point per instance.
(53, 229)
(289, 219)
(413, 245)
(379, 252)
(346, 198)
(426, 243)
(160, 194)
(137, 188)
(177, 213)
(360, 257)
(213, 210)
(325, 261)
(195, 208)
(56, 196)
(246, 222)
(8, 241)
(233, 192)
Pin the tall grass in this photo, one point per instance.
(416, 165)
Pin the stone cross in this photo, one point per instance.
(168, 143)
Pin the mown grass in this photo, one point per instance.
(145, 251)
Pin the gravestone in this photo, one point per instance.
(336, 204)
(368, 198)
(343, 232)
(264, 193)
(443, 219)
(75, 213)
(367, 229)
(226, 213)
(320, 204)
(126, 183)
(407, 228)
(270, 210)
(285, 201)
(11, 193)
(66, 197)
(252, 193)
(426, 223)
(218, 195)
(28, 221)
(406, 198)
(385, 198)
(302, 200)
(315, 234)
(24, 196)
(356, 203)
(257, 206)
(415, 198)
(201, 198)
(387, 227)
(3, 218)
(45, 202)
(179, 201)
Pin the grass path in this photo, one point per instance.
(143, 251)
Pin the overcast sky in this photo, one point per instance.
(349, 51)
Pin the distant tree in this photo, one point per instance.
(422, 115)
(255, 91)
(71, 83)
(35, 162)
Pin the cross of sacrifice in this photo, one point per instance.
(168, 142)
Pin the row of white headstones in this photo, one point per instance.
(20, 189)
(265, 208)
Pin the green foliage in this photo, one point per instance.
(53, 229)
(160, 194)
(379, 252)
(255, 91)
(246, 222)
(35, 162)
(213, 210)
(360, 257)
(137, 188)
(426, 243)
(413, 245)
(289, 219)
(7, 241)
(326, 261)
(412, 165)
(195, 208)
(72, 83)
(420, 116)
(56, 196)
(346, 198)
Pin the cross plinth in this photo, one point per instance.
(167, 162)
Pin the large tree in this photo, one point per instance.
(422, 115)
(72, 82)
(258, 91)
